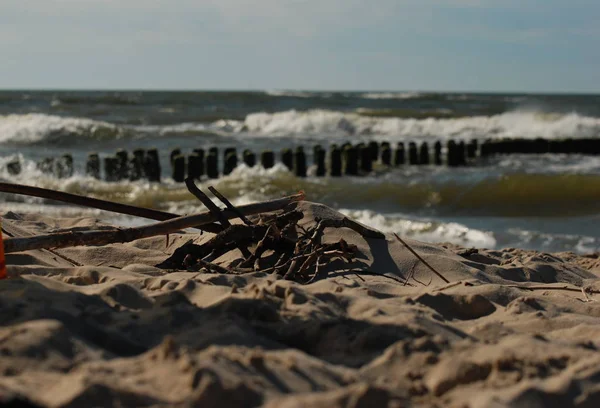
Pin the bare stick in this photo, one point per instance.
(359, 277)
(70, 239)
(189, 182)
(95, 203)
(293, 263)
(228, 204)
(369, 272)
(295, 258)
(544, 287)
(307, 263)
(317, 270)
(411, 273)
(259, 250)
(421, 259)
(212, 207)
(585, 296)
(353, 225)
(453, 284)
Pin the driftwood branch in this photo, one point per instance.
(70, 239)
(96, 203)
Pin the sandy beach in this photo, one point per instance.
(103, 326)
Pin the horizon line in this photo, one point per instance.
(249, 90)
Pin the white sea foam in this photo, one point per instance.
(526, 124)
(582, 244)
(365, 95)
(429, 231)
(549, 164)
(299, 94)
(35, 127)
(246, 185)
(391, 95)
(313, 124)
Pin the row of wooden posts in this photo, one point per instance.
(346, 159)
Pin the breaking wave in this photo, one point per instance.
(300, 94)
(313, 124)
(392, 95)
(509, 195)
(33, 128)
(424, 230)
(416, 208)
(512, 124)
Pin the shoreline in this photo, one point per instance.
(104, 326)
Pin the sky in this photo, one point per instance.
(427, 45)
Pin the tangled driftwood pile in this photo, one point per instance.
(273, 243)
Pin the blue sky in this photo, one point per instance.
(479, 45)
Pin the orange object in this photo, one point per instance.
(3, 274)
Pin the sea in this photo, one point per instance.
(547, 202)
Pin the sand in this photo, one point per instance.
(102, 326)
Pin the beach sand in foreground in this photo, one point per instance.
(102, 326)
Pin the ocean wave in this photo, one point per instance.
(313, 124)
(300, 94)
(522, 238)
(116, 98)
(39, 128)
(359, 95)
(36, 127)
(409, 113)
(484, 97)
(324, 123)
(392, 95)
(379, 202)
(424, 230)
(438, 193)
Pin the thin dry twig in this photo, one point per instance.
(228, 204)
(317, 270)
(411, 273)
(585, 296)
(191, 186)
(309, 261)
(451, 285)
(294, 262)
(423, 283)
(370, 272)
(214, 267)
(320, 251)
(547, 287)
(189, 182)
(259, 250)
(359, 277)
(421, 259)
